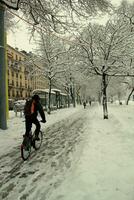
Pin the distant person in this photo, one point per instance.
(31, 109)
(90, 102)
(84, 104)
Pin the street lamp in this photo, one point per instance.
(13, 4)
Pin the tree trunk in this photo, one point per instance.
(74, 103)
(72, 93)
(49, 98)
(68, 97)
(68, 100)
(77, 98)
(99, 97)
(129, 96)
(80, 100)
(57, 100)
(104, 96)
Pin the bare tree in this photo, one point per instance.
(105, 51)
(52, 56)
(58, 15)
(116, 89)
(9, 21)
(129, 82)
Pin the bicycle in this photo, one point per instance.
(28, 143)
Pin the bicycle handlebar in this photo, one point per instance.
(42, 121)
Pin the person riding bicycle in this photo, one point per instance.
(31, 109)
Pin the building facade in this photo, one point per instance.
(20, 82)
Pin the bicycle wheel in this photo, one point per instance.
(37, 143)
(26, 148)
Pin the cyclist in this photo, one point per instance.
(31, 109)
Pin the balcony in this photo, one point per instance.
(21, 87)
(15, 65)
(10, 85)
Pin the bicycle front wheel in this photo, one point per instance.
(25, 149)
(37, 143)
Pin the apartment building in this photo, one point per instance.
(33, 63)
(20, 82)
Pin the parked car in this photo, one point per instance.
(19, 105)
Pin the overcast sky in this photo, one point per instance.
(20, 38)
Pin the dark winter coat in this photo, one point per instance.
(37, 108)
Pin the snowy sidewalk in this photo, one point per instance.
(105, 170)
(82, 157)
(37, 177)
(16, 127)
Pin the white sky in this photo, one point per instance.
(20, 38)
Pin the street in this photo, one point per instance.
(20, 179)
(82, 157)
(67, 70)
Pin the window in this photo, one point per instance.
(17, 94)
(12, 82)
(9, 93)
(12, 74)
(16, 75)
(13, 93)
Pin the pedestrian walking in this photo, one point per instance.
(84, 104)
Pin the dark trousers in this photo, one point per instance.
(28, 123)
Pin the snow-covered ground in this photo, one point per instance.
(16, 127)
(105, 169)
(82, 157)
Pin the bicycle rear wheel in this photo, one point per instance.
(37, 143)
(26, 148)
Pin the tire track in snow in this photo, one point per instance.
(58, 143)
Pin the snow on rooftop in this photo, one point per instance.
(42, 90)
(63, 94)
(47, 90)
(53, 91)
(56, 90)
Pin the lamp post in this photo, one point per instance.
(3, 123)
(13, 5)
